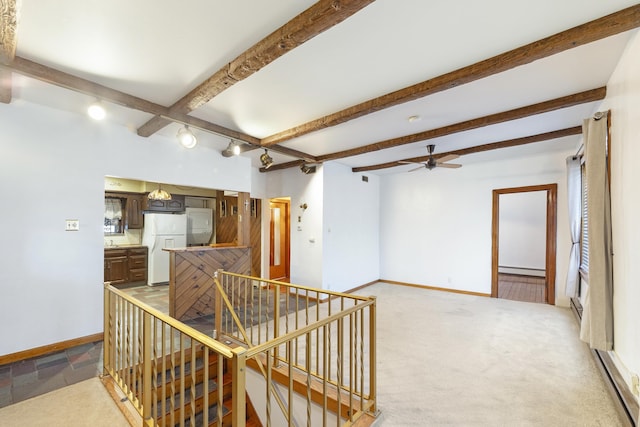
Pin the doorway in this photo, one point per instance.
(279, 239)
(548, 290)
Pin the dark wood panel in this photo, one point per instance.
(256, 237)
(192, 287)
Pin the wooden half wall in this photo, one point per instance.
(191, 272)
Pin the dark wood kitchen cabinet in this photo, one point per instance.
(134, 211)
(125, 266)
(173, 205)
(116, 269)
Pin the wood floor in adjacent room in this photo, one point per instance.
(521, 288)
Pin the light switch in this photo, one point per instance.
(72, 225)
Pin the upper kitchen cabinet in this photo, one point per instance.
(134, 211)
(173, 205)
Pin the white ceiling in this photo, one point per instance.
(159, 50)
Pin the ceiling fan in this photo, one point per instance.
(433, 162)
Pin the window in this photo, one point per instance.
(113, 223)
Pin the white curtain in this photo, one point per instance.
(112, 209)
(574, 195)
(597, 317)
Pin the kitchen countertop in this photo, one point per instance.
(123, 246)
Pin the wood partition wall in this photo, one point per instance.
(191, 272)
(230, 212)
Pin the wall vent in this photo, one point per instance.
(365, 178)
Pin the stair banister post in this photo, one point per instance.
(146, 366)
(106, 346)
(239, 387)
(372, 355)
(276, 323)
(217, 304)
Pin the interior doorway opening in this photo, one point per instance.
(279, 239)
(521, 268)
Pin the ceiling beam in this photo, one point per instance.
(68, 81)
(577, 130)
(492, 119)
(281, 166)
(8, 26)
(615, 23)
(313, 21)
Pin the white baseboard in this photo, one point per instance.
(521, 271)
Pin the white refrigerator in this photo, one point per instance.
(162, 231)
(199, 226)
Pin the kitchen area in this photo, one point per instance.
(141, 231)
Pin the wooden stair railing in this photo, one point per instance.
(280, 375)
(193, 392)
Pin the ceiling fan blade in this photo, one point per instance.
(408, 163)
(415, 169)
(449, 165)
(448, 158)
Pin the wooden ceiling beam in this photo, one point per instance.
(492, 119)
(68, 81)
(577, 130)
(615, 23)
(281, 166)
(318, 18)
(8, 27)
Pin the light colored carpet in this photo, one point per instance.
(86, 403)
(447, 359)
(444, 359)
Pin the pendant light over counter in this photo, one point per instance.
(159, 194)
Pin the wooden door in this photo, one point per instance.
(279, 239)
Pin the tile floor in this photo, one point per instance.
(32, 377)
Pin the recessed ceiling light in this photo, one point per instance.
(413, 119)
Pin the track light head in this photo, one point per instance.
(96, 111)
(266, 159)
(233, 149)
(306, 169)
(186, 138)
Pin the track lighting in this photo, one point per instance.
(306, 169)
(96, 111)
(266, 159)
(159, 194)
(186, 137)
(233, 149)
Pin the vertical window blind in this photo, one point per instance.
(584, 258)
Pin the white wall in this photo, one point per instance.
(436, 225)
(623, 99)
(335, 246)
(52, 168)
(351, 228)
(306, 236)
(522, 231)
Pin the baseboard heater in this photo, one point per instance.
(622, 396)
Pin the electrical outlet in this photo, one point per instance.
(635, 385)
(72, 225)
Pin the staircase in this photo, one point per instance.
(171, 406)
